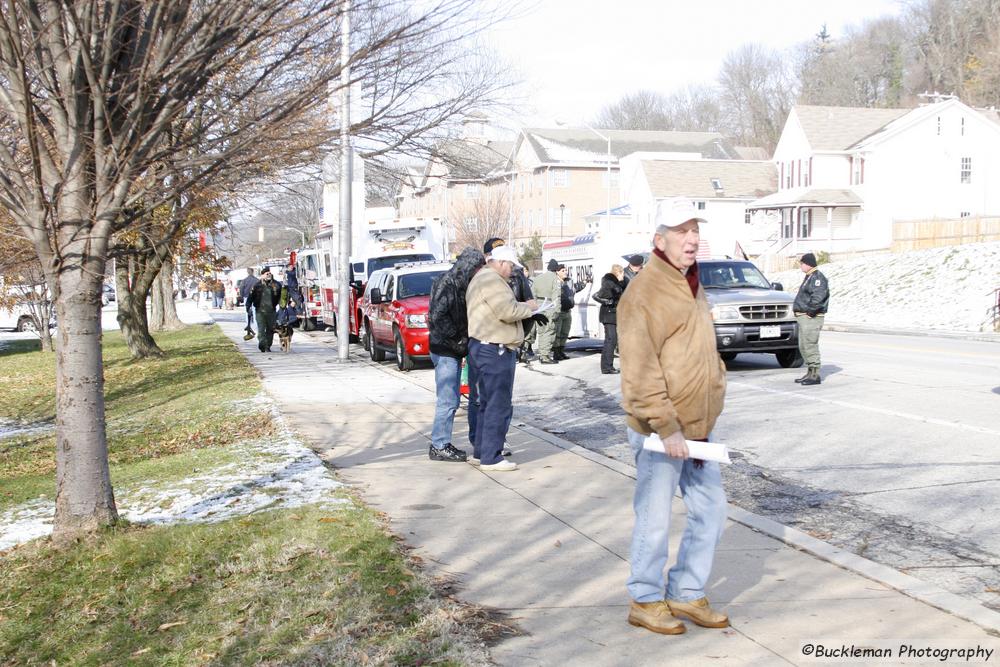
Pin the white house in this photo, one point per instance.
(721, 190)
(845, 174)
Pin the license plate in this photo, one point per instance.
(773, 331)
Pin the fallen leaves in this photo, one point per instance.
(166, 626)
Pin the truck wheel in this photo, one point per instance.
(308, 323)
(366, 337)
(789, 358)
(26, 324)
(403, 360)
(374, 351)
(727, 356)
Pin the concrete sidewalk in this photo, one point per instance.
(548, 544)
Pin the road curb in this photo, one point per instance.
(981, 336)
(910, 586)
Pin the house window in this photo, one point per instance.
(965, 175)
(857, 170)
(962, 127)
(965, 214)
(789, 175)
(939, 125)
(615, 179)
(560, 178)
(472, 190)
(716, 183)
(805, 223)
(809, 173)
(781, 181)
(471, 223)
(746, 217)
(700, 205)
(786, 223)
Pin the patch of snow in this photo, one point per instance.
(8, 429)
(563, 153)
(947, 289)
(280, 472)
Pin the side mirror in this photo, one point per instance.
(777, 287)
(375, 296)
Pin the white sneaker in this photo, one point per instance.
(501, 466)
(474, 461)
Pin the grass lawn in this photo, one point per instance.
(155, 408)
(311, 585)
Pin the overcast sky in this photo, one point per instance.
(578, 55)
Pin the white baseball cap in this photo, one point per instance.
(504, 253)
(675, 211)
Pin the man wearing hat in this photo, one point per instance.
(810, 309)
(635, 263)
(264, 297)
(548, 286)
(495, 333)
(673, 386)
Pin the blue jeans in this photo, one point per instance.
(447, 379)
(657, 478)
(494, 367)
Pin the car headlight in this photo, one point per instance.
(417, 321)
(724, 313)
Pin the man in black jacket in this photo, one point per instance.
(264, 298)
(448, 322)
(810, 308)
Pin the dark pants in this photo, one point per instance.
(494, 367)
(473, 381)
(610, 343)
(266, 321)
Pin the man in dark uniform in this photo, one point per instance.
(264, 297)
(810, 308)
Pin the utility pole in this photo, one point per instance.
(346, 178)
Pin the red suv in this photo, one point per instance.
(394, 311)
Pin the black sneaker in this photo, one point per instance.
(448, 453)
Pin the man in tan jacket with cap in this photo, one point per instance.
(495, 334)
(673, 386)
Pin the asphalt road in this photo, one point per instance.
(896, 456)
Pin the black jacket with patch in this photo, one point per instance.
(814, 295)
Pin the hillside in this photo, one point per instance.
(946, 289)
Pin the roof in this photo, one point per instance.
(583, 145)
(815, 197)
(466, 160)
(624, 209)
(693, 178)
(751, 153)
(839, 128)
(990, 114)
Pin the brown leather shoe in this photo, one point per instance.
(700, 612)
(654, 616)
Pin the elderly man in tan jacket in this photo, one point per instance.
(495, 333)
(673, 385)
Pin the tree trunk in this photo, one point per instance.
(84, 497)
(156, 306)
(164, 306)
(132, 311)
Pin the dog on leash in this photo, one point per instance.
(284, 332)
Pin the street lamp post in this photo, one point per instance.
(301, 233)
(562, 217)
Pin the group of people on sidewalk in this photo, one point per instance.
(673, 385)
(475, 314)
(272, 304)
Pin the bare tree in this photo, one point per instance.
(641, 110)
(757, 92)
(479, 220)
(864, 68)
(95, 95)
